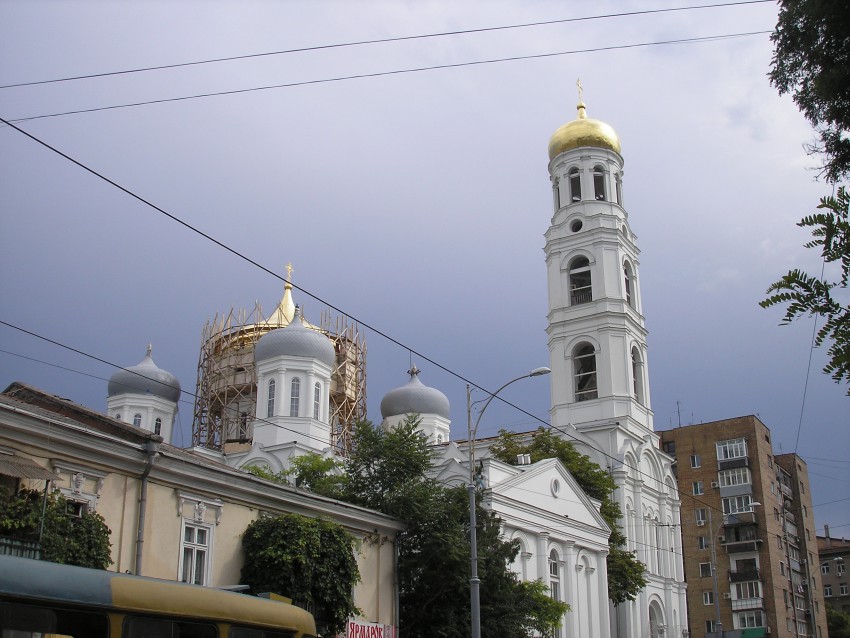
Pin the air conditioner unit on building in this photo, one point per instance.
(727, 595)
(715, 484)
(721, 539)
(700, 523)
(767, 630)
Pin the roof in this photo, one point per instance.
(20, 467)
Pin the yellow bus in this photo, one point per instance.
(39, 599)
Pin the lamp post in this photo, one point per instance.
(718, 623)
(475, 601)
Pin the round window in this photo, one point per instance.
(576, 226)
(556, 487)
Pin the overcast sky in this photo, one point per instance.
(415, 202)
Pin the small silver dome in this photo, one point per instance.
(295, 340)
(414, 398)
(145, 378)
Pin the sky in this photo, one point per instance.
(414, 202)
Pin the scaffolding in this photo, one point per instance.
(226, 391)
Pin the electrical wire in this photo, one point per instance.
(355, 43)
(361, 76)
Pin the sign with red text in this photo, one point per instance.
(360, 629)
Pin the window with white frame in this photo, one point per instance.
(839, 568)
(736, 476)
(737, 504)
(137, 420)
(627, 282)
(195, 553)
(294, 396)
(581, 286)
(699, 514)
(842, 589)
(584, 361)
(575, 184)
(554, 576)
(710, 626)
(702, 542)
(697, 488)
(705, 570)
(317, 400)
(731, 449)
(695, 460)
(746, 619)
(637, 375)
(157, 426)
(827, 591)
(748, 589)
(708, 598)
(270, 403)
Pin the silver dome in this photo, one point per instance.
(414, 398)
(295, 340)
(145, 378)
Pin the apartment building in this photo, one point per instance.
(747, 533)
(834, 555)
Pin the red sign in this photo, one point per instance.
(360, 629)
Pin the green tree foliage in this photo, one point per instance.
(808, 295)
(308, 560)
(811, 61)
(310, 471)
(388, 471)
(837, 623)
(72, 540)
(625, 572)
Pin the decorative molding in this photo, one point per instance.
(199, 504)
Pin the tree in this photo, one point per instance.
(808, 295)
(811, 60)
(388, 471)
(310, 471)
(625, 572)
(837, 623)
(308, 560)
(73, 540)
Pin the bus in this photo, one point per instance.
(39, 599)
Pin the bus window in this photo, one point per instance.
(24, 621)
(135, 627)
(249, 632)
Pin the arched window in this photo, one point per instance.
(584, 359)
(270, 408)
(439, 439)
(575, 185)
(554, 576)
(599, 183)
(137, 420)
(294, 396)
(317, 400)
(637, 375)
(618, 184)
(627, 283)
(580, 281)
(157, 426)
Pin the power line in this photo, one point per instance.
(381, 41)
(362, 76)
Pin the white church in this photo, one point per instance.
(600, 401)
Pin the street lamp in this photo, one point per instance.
(474, 583)
(718, 623)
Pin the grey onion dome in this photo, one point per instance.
(295, 340)
(145, 378)
(414, 398)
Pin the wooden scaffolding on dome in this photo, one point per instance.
(226, 390)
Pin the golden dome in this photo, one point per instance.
(583, 131)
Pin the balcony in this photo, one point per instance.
(741, 604)
(744, 575)
(728, 464)
(786, 490)
(736, 547)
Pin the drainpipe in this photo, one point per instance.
(151, 447)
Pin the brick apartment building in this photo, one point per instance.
(834, 556)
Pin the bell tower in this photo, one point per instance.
(597, 336)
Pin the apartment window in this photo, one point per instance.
(731, 449)
(697, 488)
(737, 504)
(157, 426)
(827, 591)
(736, 476)
(270, 406)
(779, 542)
(702, 542)
(708, 598)
(769, 461)
(695, 460)
(839, 568)
(669, 447)
(802, 488)
(749, 589)
(747, 619)
(554, 576)
(585, 372)
(575, 185)
(705, 570)
(842, 589)
(709, 626)
(805, 511)
(194, 559)
(317, 400)
(137, 420)
(581, 288)
(782, 568)
(772, 487)
(294, 396)
(700, 516)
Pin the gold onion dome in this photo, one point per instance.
(583, 131)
